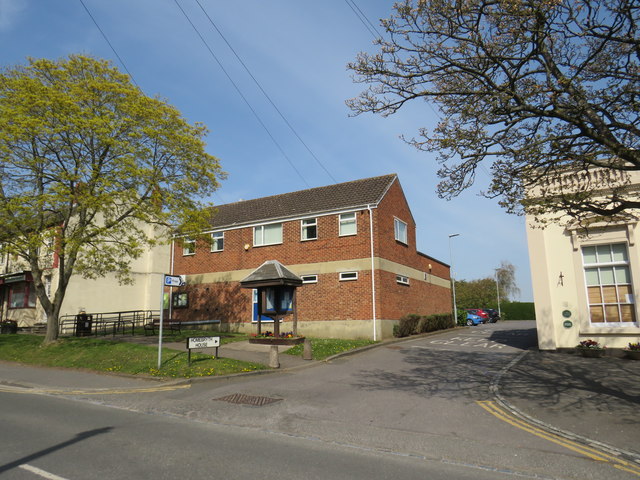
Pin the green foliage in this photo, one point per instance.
(322, 348)
(518, 311)
(476, 293)
(413, 324)
(112, 356)
(95, 170)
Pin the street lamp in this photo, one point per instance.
(498, 292)
(453, 281)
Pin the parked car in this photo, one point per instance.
(479, 312)
(473, 318)
(494, 316)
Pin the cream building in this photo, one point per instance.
(18, 300)
(586, 281)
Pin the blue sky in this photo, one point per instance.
(298, 52)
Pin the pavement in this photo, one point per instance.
(592, 401)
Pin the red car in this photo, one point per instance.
(481, 313)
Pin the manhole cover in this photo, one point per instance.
(242, 399)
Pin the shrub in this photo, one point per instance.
(407, 325)
(412, 324)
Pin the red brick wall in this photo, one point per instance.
(328, 247)
(329, 299)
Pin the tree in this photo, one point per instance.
(538, 88)
(88, 163)
(484, 292)
(506, 280)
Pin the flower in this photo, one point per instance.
(634, 346)
(590, 344)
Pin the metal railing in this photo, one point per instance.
(103, 323)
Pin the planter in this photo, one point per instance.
(591, 352)
(276, 340)
(632, 354)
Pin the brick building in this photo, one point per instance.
(333, 237)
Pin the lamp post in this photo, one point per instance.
(498, 293)
(453, 281)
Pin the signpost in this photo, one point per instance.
(167, 281)
(202, 342)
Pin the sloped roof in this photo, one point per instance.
(271, 272)
(341, 196)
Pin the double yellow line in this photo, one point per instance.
(40, 391)
(590, 452)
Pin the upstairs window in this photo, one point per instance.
(400, 229)
(267, 234)
(402, 279)
(309, 278)
(348, 224)
(309, 228)
(188, 246)
(217, 241)
(609, 286)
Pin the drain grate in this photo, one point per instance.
(242, 399)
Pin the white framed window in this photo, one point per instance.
(267, 234)
(346, 276)
(348, 224)
(217, 241)
(309, 278)
(608, 282)
(402, 279)
(400, 230)
(188, 246)
(309, 229)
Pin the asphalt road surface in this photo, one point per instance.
(417, 409)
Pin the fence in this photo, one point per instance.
(85, 324)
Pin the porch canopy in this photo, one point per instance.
(276, 286)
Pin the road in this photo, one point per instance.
(417, 409)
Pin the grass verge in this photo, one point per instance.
(116, 356)
(322, 348)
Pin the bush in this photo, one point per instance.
(413, 324)
(407, 325)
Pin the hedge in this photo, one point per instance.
(518, 311)
(413, 324)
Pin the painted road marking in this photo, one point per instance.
(587, 451)
(122, 391)
(40, 472)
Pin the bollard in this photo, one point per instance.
(274, 361)
(306, 351)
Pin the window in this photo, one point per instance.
(400, 229)
(188, 246)
(345, 276)
(402, 279)
(309, 228)
(22, 295)
(217, 241)
(267, 234)
(309, 278)
(609, 286)
(180, 300)
(348, 224)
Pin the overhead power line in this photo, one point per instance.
(265, 93)
(104, 35)
(255, 114)
(363, 19)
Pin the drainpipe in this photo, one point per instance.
(373, 279)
